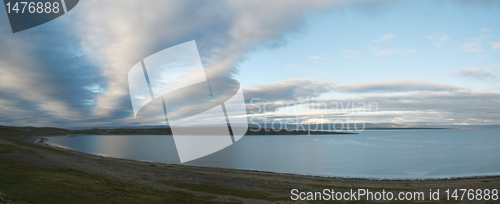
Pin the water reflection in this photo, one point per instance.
(379, 154)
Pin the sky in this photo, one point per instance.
(407, 62)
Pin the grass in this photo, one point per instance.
(27, 183)
(371, 188)
(43, 184)
(27, 144)
(6, 148)
(321, 180)
(222, 190)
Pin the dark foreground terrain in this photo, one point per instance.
(35, 173)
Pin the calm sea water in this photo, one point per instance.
(374, 154)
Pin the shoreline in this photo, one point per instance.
(182, 183)
(458, 178)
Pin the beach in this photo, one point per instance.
(55, 175)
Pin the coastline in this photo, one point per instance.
(218, 185)
(457, 178)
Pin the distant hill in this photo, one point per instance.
(47, 131)
(253, 129)
(327, 127)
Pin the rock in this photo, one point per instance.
(3, 200)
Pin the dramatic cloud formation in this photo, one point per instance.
(44, 77)
(445, 108)
(411, 102)
(460, 107)
(74, 70)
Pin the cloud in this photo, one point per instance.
(73, 70)
(224, 38)
(390, 52)
(315, 58)
(384, 38)
(439, 40)
(471, 47)
(475, 43)
(383, 53)
(486, 30)
(495, 45)
(481, 73)
(298, 92)
(462, 107)
(43, 77)
(409, 51)
(289, 89)
(351, 54)
(481, 37)
(397, 86)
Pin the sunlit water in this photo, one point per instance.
(374, 154)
